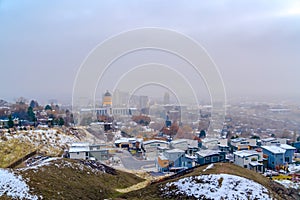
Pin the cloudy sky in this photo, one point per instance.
(255, 43)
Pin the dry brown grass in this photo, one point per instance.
(12, 150)
(57, 182)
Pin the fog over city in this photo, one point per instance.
(255, 44)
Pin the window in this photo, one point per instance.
(287, 159)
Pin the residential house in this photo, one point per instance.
(250, 159)
(209, 156)
(175, 156)
(179, 144)
(86, 151)
(151, 148)
(272, 141)
(187, 145)
(174, 160)
(192, 147)
(79, 151)
(163, 163)
(297, 146)
(278, 155)
(223, 145)
(125, 142)
(289, 152)
(242, 144)
(274, 154)
(209, 143)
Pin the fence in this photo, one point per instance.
(18, 162)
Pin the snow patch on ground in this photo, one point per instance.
(216, 186)
(14, 186)
(289, 184)
(209, 167)
(44, 161)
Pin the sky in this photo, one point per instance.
(254, 43)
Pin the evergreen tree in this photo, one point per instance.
(48, 107)
(61, 121)
(10, 122)
(31, 115)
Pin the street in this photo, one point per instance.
(129, 162)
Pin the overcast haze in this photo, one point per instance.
(255, 44)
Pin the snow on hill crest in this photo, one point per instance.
(216, 186)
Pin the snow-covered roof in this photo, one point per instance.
(238, 140)
(124, 140)
(287, 147)
(274, 149)
(190, 157)
(206, 140)
(192, 143)
(80, 144)
(162, 157)
(268, 139)
(154, 141)
(255, 163)
(179, 141)
(79, 149)
(245, 153)
(208, 152)
(175, 151)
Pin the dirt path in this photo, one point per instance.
(148, 179)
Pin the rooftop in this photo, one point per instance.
(286, 146)
(204, 153)
(175, 151)
(155, 141)
(268, 139)
(274, 149)
(245, 153)
(179, 141)
(79, 149)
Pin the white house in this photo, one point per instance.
(86, 151)
(250, 159)
(79, 151)
(272, 141)
(151, 148)
(179, 144)
(243, 143)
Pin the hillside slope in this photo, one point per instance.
(213, 180)
(69, 179)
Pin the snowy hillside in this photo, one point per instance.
(216, 186)
(14, 186)
(51, 140)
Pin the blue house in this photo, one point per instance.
(174, 160)
(209, 156)
(278, 155)
(289, 152)
(297, 146)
